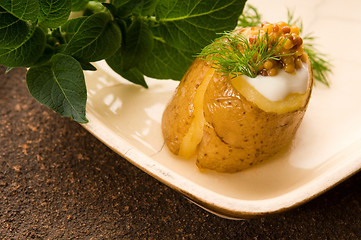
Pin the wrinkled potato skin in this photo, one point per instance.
(237, 133)
(178, 115)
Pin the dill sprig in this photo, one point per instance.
(322, 67)
(250, 17)
(233, 54)
(320, 64)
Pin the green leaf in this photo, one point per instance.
(120, 3)
(166, 62)
(122, 24)
(97, 38)
(60, 85)
(144, 7)
(138, 7)
(87, 66)
(78, 5)
(46, 56)
(25, 54)
(147, 8)
(191, 25)
(133, 74)
(54, 12)
(13, 31)
(72, 25)
(138, 44)
(125, 8)
(94, 6)
(112, 9)
(23, 9)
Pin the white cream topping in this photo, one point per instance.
(277, 87)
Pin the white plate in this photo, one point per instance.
(326, 150)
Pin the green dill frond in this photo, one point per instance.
(292, 21)
(322, 67)
(233, 54)
(250, 17)
(320, 64)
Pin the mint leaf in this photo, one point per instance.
(97, 38)
(138, 44)
(60, 85)
(166, 62)
(25, 54)
(133, 75)
(23, 9)
(191, 25)
(13, 31)
(54, 12)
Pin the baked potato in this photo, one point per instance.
(225, 121)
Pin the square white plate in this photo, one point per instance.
(326, 150)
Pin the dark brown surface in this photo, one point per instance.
(57, 181)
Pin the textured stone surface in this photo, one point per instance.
(57, 181)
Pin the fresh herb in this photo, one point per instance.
(233, 54)
(250, 17)
(320, 64)
(155, 38)
(137, 38)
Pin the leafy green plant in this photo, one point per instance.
(155, 38)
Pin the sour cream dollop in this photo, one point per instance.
(277, 87)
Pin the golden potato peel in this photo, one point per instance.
(235, 130)
(178, 115)
(238, 133)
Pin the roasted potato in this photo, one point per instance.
(226, 123)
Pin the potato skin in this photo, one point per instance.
(237, 133)
(178, 115)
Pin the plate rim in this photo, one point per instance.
(223, 206)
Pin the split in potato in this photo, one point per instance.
(225, 121)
